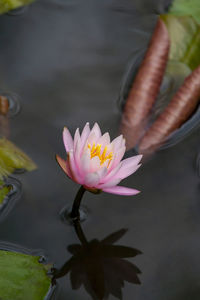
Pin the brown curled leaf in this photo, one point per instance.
(176, 113)
(4, 105)
(146, 86)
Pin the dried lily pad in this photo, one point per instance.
(6, 5)
(12, 158)
(23, 277)
(186, 8)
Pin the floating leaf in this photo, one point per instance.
(4, 191)
(186, 8)
(22, 277)
(184, 34)
(6, 5)
(12, 158)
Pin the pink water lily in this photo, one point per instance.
(96, 163)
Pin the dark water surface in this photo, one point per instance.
(65, 59)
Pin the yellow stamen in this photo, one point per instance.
(95, 150)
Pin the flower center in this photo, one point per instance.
(96, 150)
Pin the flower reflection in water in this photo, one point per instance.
(99, 265)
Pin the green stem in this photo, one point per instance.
(76, 205)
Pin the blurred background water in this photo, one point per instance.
(65, 60)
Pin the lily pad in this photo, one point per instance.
(4, 191)
(184, 34)
(23, 277)
(12, 158)
(6, 5)
(186, 8)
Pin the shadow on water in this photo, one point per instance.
(99, 265)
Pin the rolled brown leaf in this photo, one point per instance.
(4, 105)
(176, 113)
(146, 86)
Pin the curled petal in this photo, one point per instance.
(67, 139)
(121, 190)
(64, 165)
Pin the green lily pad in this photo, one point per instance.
(6, 5)
(184, 34)
(22, 277)
(4, 191)
(12, 158)
(186, 8)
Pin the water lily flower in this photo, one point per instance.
(96, 163)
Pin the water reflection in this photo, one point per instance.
(99, 265)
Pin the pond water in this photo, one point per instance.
(65, 60)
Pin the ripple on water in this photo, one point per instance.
(13, 103)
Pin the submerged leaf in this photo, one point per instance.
(12, 158)
(186, 8)
(22, 277)
(6, 5)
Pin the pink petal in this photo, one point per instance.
(117, 142)
(102, 172)
(128, 167)
(74, 170)
(111, 174)
(67, 139)
(94, 135)
(92, 138)
(84, 135)
(104, 140)
(91, 179)
(110, 183)
(94, 164)
(117, 158)
(121, 190)
(85, 162)
(96, 130)
(64, 165)
(76, 138)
